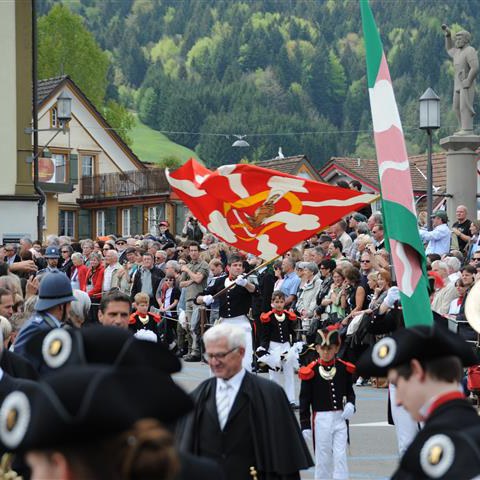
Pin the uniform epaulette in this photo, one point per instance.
(132, 319)
(307, 373)
(155, 317)
(350, 366)
(265, 317)
(291, 315)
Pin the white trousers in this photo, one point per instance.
(406, 427)
(243, 322)
(286, 377)
(330, 433)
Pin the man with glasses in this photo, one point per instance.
(66, 264)
(475, 261)
(233, 407)
(121, 247)
(11, 254)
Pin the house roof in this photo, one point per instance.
(48, 87)
(366, 171)
(290, 165)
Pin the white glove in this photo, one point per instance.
(307, 435)
(392, 296)
(260, 351)
(348, 411)
(182, 318)
(240, 281)
(146, 335)
(208, 299)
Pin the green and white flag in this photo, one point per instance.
(400, 220)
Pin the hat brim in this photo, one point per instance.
(43, 304)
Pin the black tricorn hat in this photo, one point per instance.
(81, 403)
(328, 336)
(419, 342)
(104, 345)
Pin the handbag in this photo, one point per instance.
(473, 378)
(354, 323)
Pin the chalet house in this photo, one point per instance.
(95, 184)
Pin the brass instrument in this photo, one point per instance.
(472, 307)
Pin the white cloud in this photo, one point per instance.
(218, 226)
(186, 186)
(296, 223)
(267, 249)
(384, 107)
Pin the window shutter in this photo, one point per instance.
(136, 221)
(74, 169)
(84, 224)
(110, 221)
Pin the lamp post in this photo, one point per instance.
(429, 121)
(64, 115)
(240, 142)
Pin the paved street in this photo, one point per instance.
(373, 446)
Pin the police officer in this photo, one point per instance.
(425, 363)
(51, 311)
(52, 255)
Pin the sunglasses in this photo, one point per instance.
(364, 261)
(121, 243)
(65, 251)
(170, 279)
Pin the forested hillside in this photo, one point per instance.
(287, 73)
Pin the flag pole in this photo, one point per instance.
(267, 262)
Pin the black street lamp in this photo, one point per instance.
(429, 121)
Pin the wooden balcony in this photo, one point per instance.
(134, 183)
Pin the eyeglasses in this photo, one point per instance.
(121, 243)
(65, 251)
(476, 259)
(218, 356)
(364, 261)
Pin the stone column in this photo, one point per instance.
(461, 173)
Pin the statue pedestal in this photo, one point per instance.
(461, 173)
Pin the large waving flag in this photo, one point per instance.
(399, 214)
(261, 211)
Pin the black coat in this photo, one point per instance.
(261, 428)
(455, 415)
(193, 467)
(17, 366)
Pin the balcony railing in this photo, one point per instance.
(125, 184)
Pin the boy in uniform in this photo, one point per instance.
(142, 319)
(277, 327)
(327, 402)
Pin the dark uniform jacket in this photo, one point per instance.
(261, 432)
(452, 414)
(234, 302)
(320, 395)
(274, 330)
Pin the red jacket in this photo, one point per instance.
(96, 279)
(82, 276)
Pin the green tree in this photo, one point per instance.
(120, 119)
(65, 46)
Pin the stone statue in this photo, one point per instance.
(465, 64)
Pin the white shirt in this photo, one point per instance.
(235, 382)
(107, 278)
